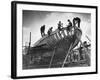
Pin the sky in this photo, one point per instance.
(33, 20)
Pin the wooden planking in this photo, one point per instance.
(58, 34)
(50, 41)
(62, 35)
(53, 40)
(63, 32)
(55, 36)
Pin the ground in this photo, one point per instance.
(35, 62)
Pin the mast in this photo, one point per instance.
(29, 44)
(30, 40)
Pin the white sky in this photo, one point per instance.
(33, 20)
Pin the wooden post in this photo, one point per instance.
(52, 58)
(30, 40)
(66, 56)
(29, 43)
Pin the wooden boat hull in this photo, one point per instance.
(61, 40)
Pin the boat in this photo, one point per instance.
(59, 40)
(55, 47)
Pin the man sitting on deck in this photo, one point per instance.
(60, 25)
(50, 30)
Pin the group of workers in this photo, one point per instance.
(80, 53)
(76, 20)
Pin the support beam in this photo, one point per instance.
(52, 57)
(66, 56)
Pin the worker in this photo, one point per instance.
(60, 25)
(81, 52)
(76, 20)
(69, 26)
(42, 29)
(50, 30)
(86, 45)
